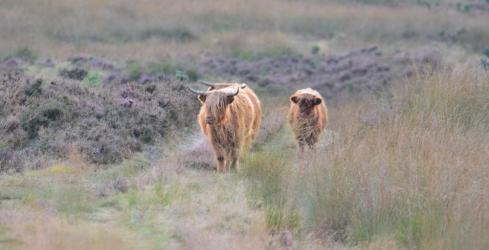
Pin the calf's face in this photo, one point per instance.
(306, 102)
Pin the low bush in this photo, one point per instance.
(24, 53)
(41, 118)
(271, 52)
(174, 34)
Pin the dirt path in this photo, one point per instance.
(216, 213)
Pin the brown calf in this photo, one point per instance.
(308, 117)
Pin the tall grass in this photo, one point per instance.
(417, 176)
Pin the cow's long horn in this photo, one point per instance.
(216, 85)
(198, 92)
(207, 83)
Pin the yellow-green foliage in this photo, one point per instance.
(134, 165)
(62, 207)
(59, 169)
(266, 173)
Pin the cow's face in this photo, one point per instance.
(216, 103)
(306, 102)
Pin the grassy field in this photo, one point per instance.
(409, 171)
(154, 29)
(97, 114)
(402, 172)
(131, 206)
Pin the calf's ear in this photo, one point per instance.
(317, 101)
(294, 99)
(201, 98)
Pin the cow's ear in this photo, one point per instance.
(294, 99)
(317, 101)
(230, 99)
(201, 98)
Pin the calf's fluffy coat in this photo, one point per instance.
(308, 117)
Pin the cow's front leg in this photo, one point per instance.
(229, 161)
(220, 155)
(221, 163)
(301, 150)
(234, 159)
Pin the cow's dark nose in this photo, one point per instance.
(210, 120)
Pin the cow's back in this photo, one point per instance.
(256, 114)
(247, 109)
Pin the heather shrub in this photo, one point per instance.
(24, 53)
(105, 124)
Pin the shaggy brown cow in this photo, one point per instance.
(230, 117)
(308, 116)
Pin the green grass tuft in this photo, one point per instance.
(93, 79)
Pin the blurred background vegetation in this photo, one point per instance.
(154, 29)
(99, 148)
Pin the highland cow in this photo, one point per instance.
(230, 117)
(308, 117)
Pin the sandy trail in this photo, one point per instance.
(217, 214)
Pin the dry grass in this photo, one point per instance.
(158, 29)
(129, 206)
(408, 171)
(30, 229)
(415, 176)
